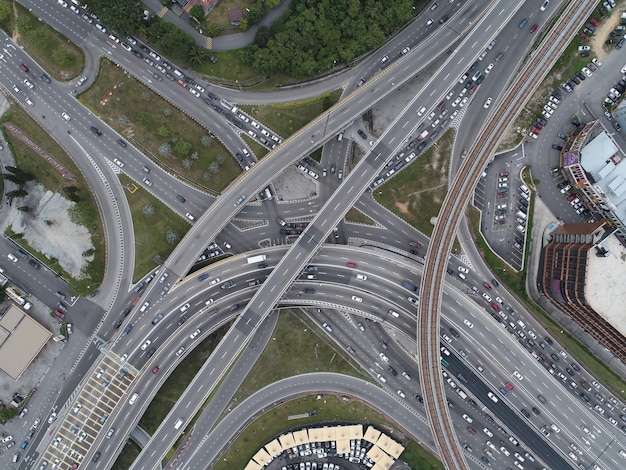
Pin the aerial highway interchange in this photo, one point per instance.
(485, 353)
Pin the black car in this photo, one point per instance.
(233, 307)
(525, 412)
(121, 143)
(144, 48)
(581, 75)
(562, 136)
(549, 340)
(34, 264)
(583, 54)
(557, 147)
(180, 198)
(45, 78)
(575, 80)
(228, 284)
(126, 311)
(443, 19)
(619, 45)
(182, 320)
(418, 397)
(536, 411)
(541, 121)
(151, 352)
(137, 54)
(362, 134)
(96, 131)
(454, 332)
(218, 109)
(392, 371)
(96, 457)
(213, 96)
(308, 290)
(117, 324)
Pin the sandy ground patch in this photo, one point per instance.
(48, 228)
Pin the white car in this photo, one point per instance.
(357, 299)
(545, 5)
(185, 307)
(492, 397)
(52, 417)
(487, 297)
(195, 334)
(487, 103)
(383, 357)
(145, 345)
(406, 375)
(29, 102)
(12, 257)
(194, 92)
(401, 393)
(586, 71)
(488, 69)
(555, 428)
(488, 431)
(456, 102)
(499, 300)
(28, 84)
(361, 277)
(518, 376)
(468, 323)
(119, 163)
(212, 282)
(66, 116)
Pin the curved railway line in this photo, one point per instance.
(453, 207)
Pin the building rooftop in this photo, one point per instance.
(21, 340)
(604, 289)
(605, 164)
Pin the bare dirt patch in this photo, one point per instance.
(48, 226)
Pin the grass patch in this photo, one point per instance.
(416, 193)
(150, 123)
(219, 14)
(259, 150)
(176, 383)
(150, 231)
(86, 209)
(330, 410)
(418, 458)
(287, 118)
(355, 215)
(127, 457)
(299, 346)
(60, 57)
(230, 69)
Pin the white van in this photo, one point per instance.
(340, 136)
(393, 313)
(521, 215)
(462, 394)
(179, 423)
(179, 74)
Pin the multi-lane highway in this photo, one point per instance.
(125, 366)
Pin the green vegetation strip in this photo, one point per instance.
(355, 215)
(287, 118)
(61, 58)
(176, 383)
(157, 229)
(171, 138)
(128, 455)
(416, 193)
(330, 410)
(85, 211)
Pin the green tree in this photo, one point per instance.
(19, 192)
(144, 118)
(269, 4)
(212, 30)
(197, 12)
(163, 132)
(183, 148)
(123, 16)
(197, 55)
(244, 24)
(6, 10)
(262, 36)
(165, 150)
(172, 236)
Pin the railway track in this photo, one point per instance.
(453, 209)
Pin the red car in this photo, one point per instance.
(486, 285)
(155, 369)
(504, 173)
(472, 90)
(415, 244)
(351, 265)
(495, 306)
(509, 386)
(471, 430)
(59, 314)
(534, 28)
(571, 197)
(594, 22)
(535, 130)
(501, 195)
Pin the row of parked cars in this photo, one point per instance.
(582, 74)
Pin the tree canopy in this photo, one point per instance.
(316, 33)
(123, 16)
